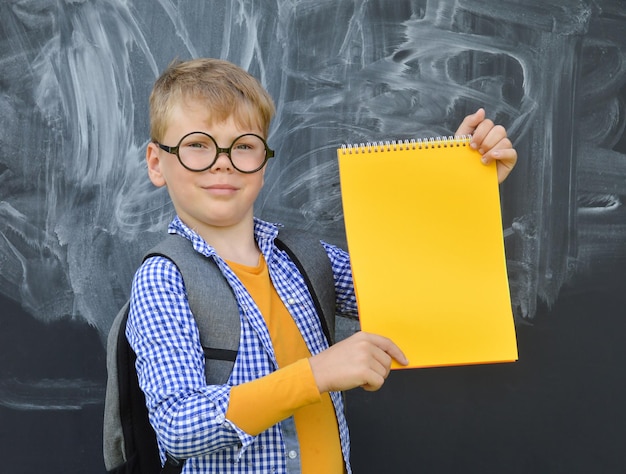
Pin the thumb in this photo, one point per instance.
(469, 123)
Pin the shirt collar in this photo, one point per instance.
(264, 233)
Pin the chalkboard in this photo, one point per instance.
(77, 209)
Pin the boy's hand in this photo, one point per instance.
(491, 141)
(362, 360)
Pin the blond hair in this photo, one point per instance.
(223, 88)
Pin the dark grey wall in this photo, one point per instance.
(76, 208)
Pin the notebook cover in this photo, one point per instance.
(424, 232)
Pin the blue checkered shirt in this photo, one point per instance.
(189, 415)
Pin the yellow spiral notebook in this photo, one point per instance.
(424, 232)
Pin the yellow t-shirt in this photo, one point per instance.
(259, 404)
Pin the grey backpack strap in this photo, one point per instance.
(308, 254)
(212, 303)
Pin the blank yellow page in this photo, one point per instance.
(424, 232)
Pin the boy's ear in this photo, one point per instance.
(153, 161)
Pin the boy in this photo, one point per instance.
(209, 120)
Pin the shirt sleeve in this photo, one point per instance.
(188, 415)
(344, 286)
(257, 405)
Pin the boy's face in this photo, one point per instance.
(219, 197)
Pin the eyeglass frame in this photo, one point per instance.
(174, 150)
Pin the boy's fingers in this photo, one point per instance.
(503, 151)
(505, 156)
(489, 136)
(390, 348)
(469, 123)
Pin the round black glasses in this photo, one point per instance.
(198, 151)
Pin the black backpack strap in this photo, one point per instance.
(172, 465)
(308, 254)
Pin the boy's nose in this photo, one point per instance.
(222, 162)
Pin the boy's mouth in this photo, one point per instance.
(221, 188)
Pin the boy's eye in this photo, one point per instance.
(249, 144)
(200, 145)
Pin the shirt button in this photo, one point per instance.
(219, 419)
(291, 301)
(292, 454)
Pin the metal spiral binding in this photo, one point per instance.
(413, 144)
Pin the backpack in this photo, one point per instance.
(130, 445)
